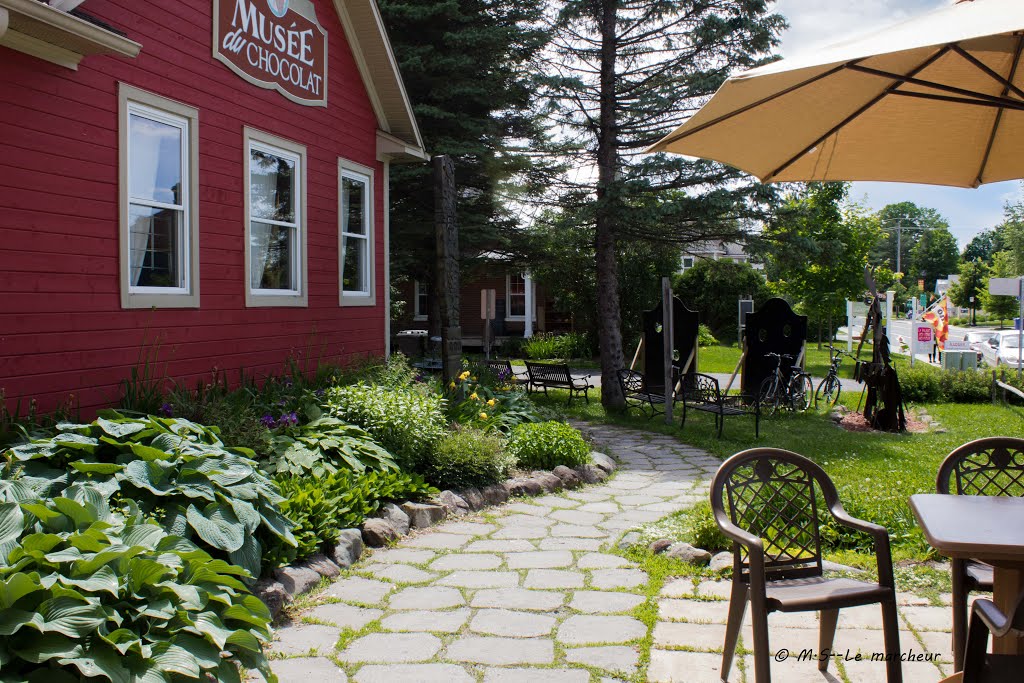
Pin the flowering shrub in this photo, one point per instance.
(547, 445)
(474, 402)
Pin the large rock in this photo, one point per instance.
(296, 580)
(570, 479)
(453, 503)
(378, 533)
(687, 553)
(495, 494)
(659, 546)
(591, 474)
(348, 549)
(394, 514)
(322, 565)
(423, 515)
(721, 562)
(474, 497)
(603, 461)
(524, 486)
(549, 481)
(273, 595)
(628, 540)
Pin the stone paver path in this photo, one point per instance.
(528, 592)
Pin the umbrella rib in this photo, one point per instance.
(1008, 84)
(875, 100)
(932, 84)
(752, 105)
(1016, 106)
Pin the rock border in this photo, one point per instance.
(395, 520)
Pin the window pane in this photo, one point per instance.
(516, 295)
(353, 271)
(353, 211)
(155, 241)
(154, 164)
(271, 256)
(272, 186)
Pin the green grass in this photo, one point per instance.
(875, 473)
(724, 358)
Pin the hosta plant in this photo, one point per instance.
(177, 471)
(323, 447)
(90, 594)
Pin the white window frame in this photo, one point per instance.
(508, 298)
(272, 144)
(691, 264)
(368, 297)
(419, 289)
(132, 100)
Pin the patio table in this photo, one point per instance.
(985, 528)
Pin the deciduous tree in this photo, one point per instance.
(935, 256)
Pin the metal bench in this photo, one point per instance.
(544, 376)
(502, 369)
(634, 388)
(700, 392)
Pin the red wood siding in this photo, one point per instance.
(62, 328)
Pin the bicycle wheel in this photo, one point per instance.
(801, 391)
(768, 396)
(828, 392)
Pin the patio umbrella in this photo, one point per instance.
(938, 99)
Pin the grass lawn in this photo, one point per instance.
(874, 472)
(723, 358)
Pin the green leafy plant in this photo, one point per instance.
(321, 506)
(325, 446)
(407, 422)
(177, 471)
(481, 399)
(564, 346)
(90, 594)
(468, 457)
(705, 337)
(546, 445)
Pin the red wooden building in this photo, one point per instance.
(205, 181)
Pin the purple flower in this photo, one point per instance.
(281, 402)
(268, 421)
(167, 410)
(289, 419)
(319, 393)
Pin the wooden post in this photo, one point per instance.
(636, 356)
(994, 386)
(667, 342)
(686, 368)
(739, 363)
(447, 265)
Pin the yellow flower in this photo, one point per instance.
(491, 402)
(451, 385)
(474, 396)
(483, 416)
(473, 378)
(464, 375)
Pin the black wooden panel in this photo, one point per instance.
(773, 328)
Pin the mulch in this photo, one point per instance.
(856, 422)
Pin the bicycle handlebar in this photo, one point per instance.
(778, 355)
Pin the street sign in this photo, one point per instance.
(922, 338)
(924, 334)
(958, 345)
(1004, 286)
(487, 304)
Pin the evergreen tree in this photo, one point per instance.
(621, 75)
(466, 65)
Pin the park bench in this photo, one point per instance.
(544, 376)
(634, 388)
(502, 369)
(701, 392)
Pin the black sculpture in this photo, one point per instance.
(773, 328)
(685, 325)
(883, 408)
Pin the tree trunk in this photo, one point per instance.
(609, 315)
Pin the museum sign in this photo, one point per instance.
(274, 44)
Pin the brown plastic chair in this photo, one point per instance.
(993, 466)
(981, 667)
(766, 501)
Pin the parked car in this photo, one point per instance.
(1002, 349)
(977, 340)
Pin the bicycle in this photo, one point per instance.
(830, 387)
(775, 391)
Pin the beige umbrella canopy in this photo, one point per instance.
(938, 99)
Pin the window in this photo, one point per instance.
(159, 234)
(355, 238)
(515, 297)
(687, 262)
(275, 221)
(421, 300)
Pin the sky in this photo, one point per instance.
(820, 22)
